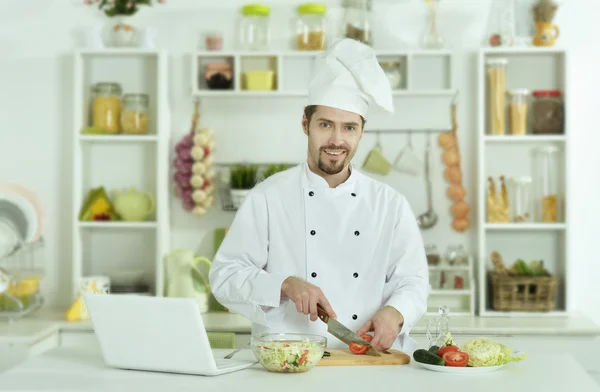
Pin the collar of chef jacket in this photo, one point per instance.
(316, 181)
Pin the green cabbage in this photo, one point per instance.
(488, 352)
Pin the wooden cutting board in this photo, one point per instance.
(343, 357)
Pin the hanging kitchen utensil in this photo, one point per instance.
(429, 218)
(375, 161)
(407, 160)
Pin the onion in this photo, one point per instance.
(199, 168)
(197, 181)
(456, 192)
(185, 154)
(446, 140)
(453, 174)
(460, 224)
(460, 209)
(199, 196)
(450, 157)
(186, 168)
(201, 139)
(208, 160)
(197, 153)
(199, 210)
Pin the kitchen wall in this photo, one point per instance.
(34, 133)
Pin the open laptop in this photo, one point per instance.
(155, 334)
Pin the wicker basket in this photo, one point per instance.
(523, 293)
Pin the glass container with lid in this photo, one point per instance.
(134, 119)
(457, 255)
(393, 72)
(522, 199)
(106, 107)
(357, 21)
(254, 29)
(548, 112)
(546, 189)
(310, 27)
(496, 76)
(433, 256)
(518, 110)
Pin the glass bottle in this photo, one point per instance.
(546, 169)
(134, 119)
(431, 36)
(433, 256)
(357, 21)
(496, 75)
(457, 255)
(254, 30)
(438, 327)
(106, 107)
(310, 27)
(548, 112)
(522, 199)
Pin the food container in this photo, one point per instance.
(134, 118)
(357, 21)
(496, 75)
(259, 80)
(310, 27)
(106, 107)
(518, 110)
(393, 72)
(548, 112)
(433, 256)
(288, 352)
(457, 255)
(546, 169)
(522, 200)
(254, 30)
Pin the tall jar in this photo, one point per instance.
(134, 119)
(254, 30)
(518, 110)
(106, 107)
(546, 169)
(357, 21)
(522, 200)
(496, 75)
(548, 112)
(310, 27)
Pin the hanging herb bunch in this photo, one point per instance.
(121, 7)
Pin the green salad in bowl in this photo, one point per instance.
(288, 352)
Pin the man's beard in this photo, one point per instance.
(334, 166)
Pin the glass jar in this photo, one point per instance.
(393, 72)
(254, 27)
(496, 75)
(106, 107)
(457, 255)
(518, 111)
(357, 21)
(546, 169)
(548, 112)
(522, 197)
(433, 256)
(134, 119)
(310, 27)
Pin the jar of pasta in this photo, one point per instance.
(547, 194)
(106, 107)
(310, 27)
(134, 119)
(518, 111)
(496, 75)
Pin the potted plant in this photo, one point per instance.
(122, 31)
(242, 180)
(274, 168)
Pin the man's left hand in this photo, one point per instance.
(385, 324)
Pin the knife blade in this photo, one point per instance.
(342, 332)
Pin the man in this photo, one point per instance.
(322, 232)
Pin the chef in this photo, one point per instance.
(324, 233)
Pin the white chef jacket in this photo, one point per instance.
(359, 242)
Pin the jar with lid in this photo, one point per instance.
(310, 27)
(134, 119)
(433, 256)
(254, 29)
(548, 112)
(457, 255)
(522, 199)
(356, 23)
(546, 189)
(496, 76)
(106, 107)
(393, 72)
(518, 111)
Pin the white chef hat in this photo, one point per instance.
(348, 77)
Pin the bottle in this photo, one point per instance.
(356, 23)
(496, 71)
(134, 118)
(546, 198)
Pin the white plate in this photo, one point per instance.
(461, 370)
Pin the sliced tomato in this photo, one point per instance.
(446, 349)
(367, 337)
(456, 358)
(359, 349)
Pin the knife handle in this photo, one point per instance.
(322, 313)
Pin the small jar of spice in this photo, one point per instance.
(433, 256)
(548, 112)
(310, 27)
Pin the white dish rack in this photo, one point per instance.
(22, 265)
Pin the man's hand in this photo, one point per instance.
(306, 296)
(386, 324)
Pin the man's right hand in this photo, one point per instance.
(306, 296)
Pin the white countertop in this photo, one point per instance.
(47, 321)
(84, 370)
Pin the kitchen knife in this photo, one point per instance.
(341, 332)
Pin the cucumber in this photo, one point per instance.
(434, 349)
(425, 356)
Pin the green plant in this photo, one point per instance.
(274, 168)
(243, 176)
(121, 7)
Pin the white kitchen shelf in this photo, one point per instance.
(425, 73)
(509, 155)
(460, 301)
(111, 247)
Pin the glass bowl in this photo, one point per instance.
(288, 352)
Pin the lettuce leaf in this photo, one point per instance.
(488, 352)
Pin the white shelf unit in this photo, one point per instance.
(461, 301)
(118, 247)
(424, 73)
(511, 156)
